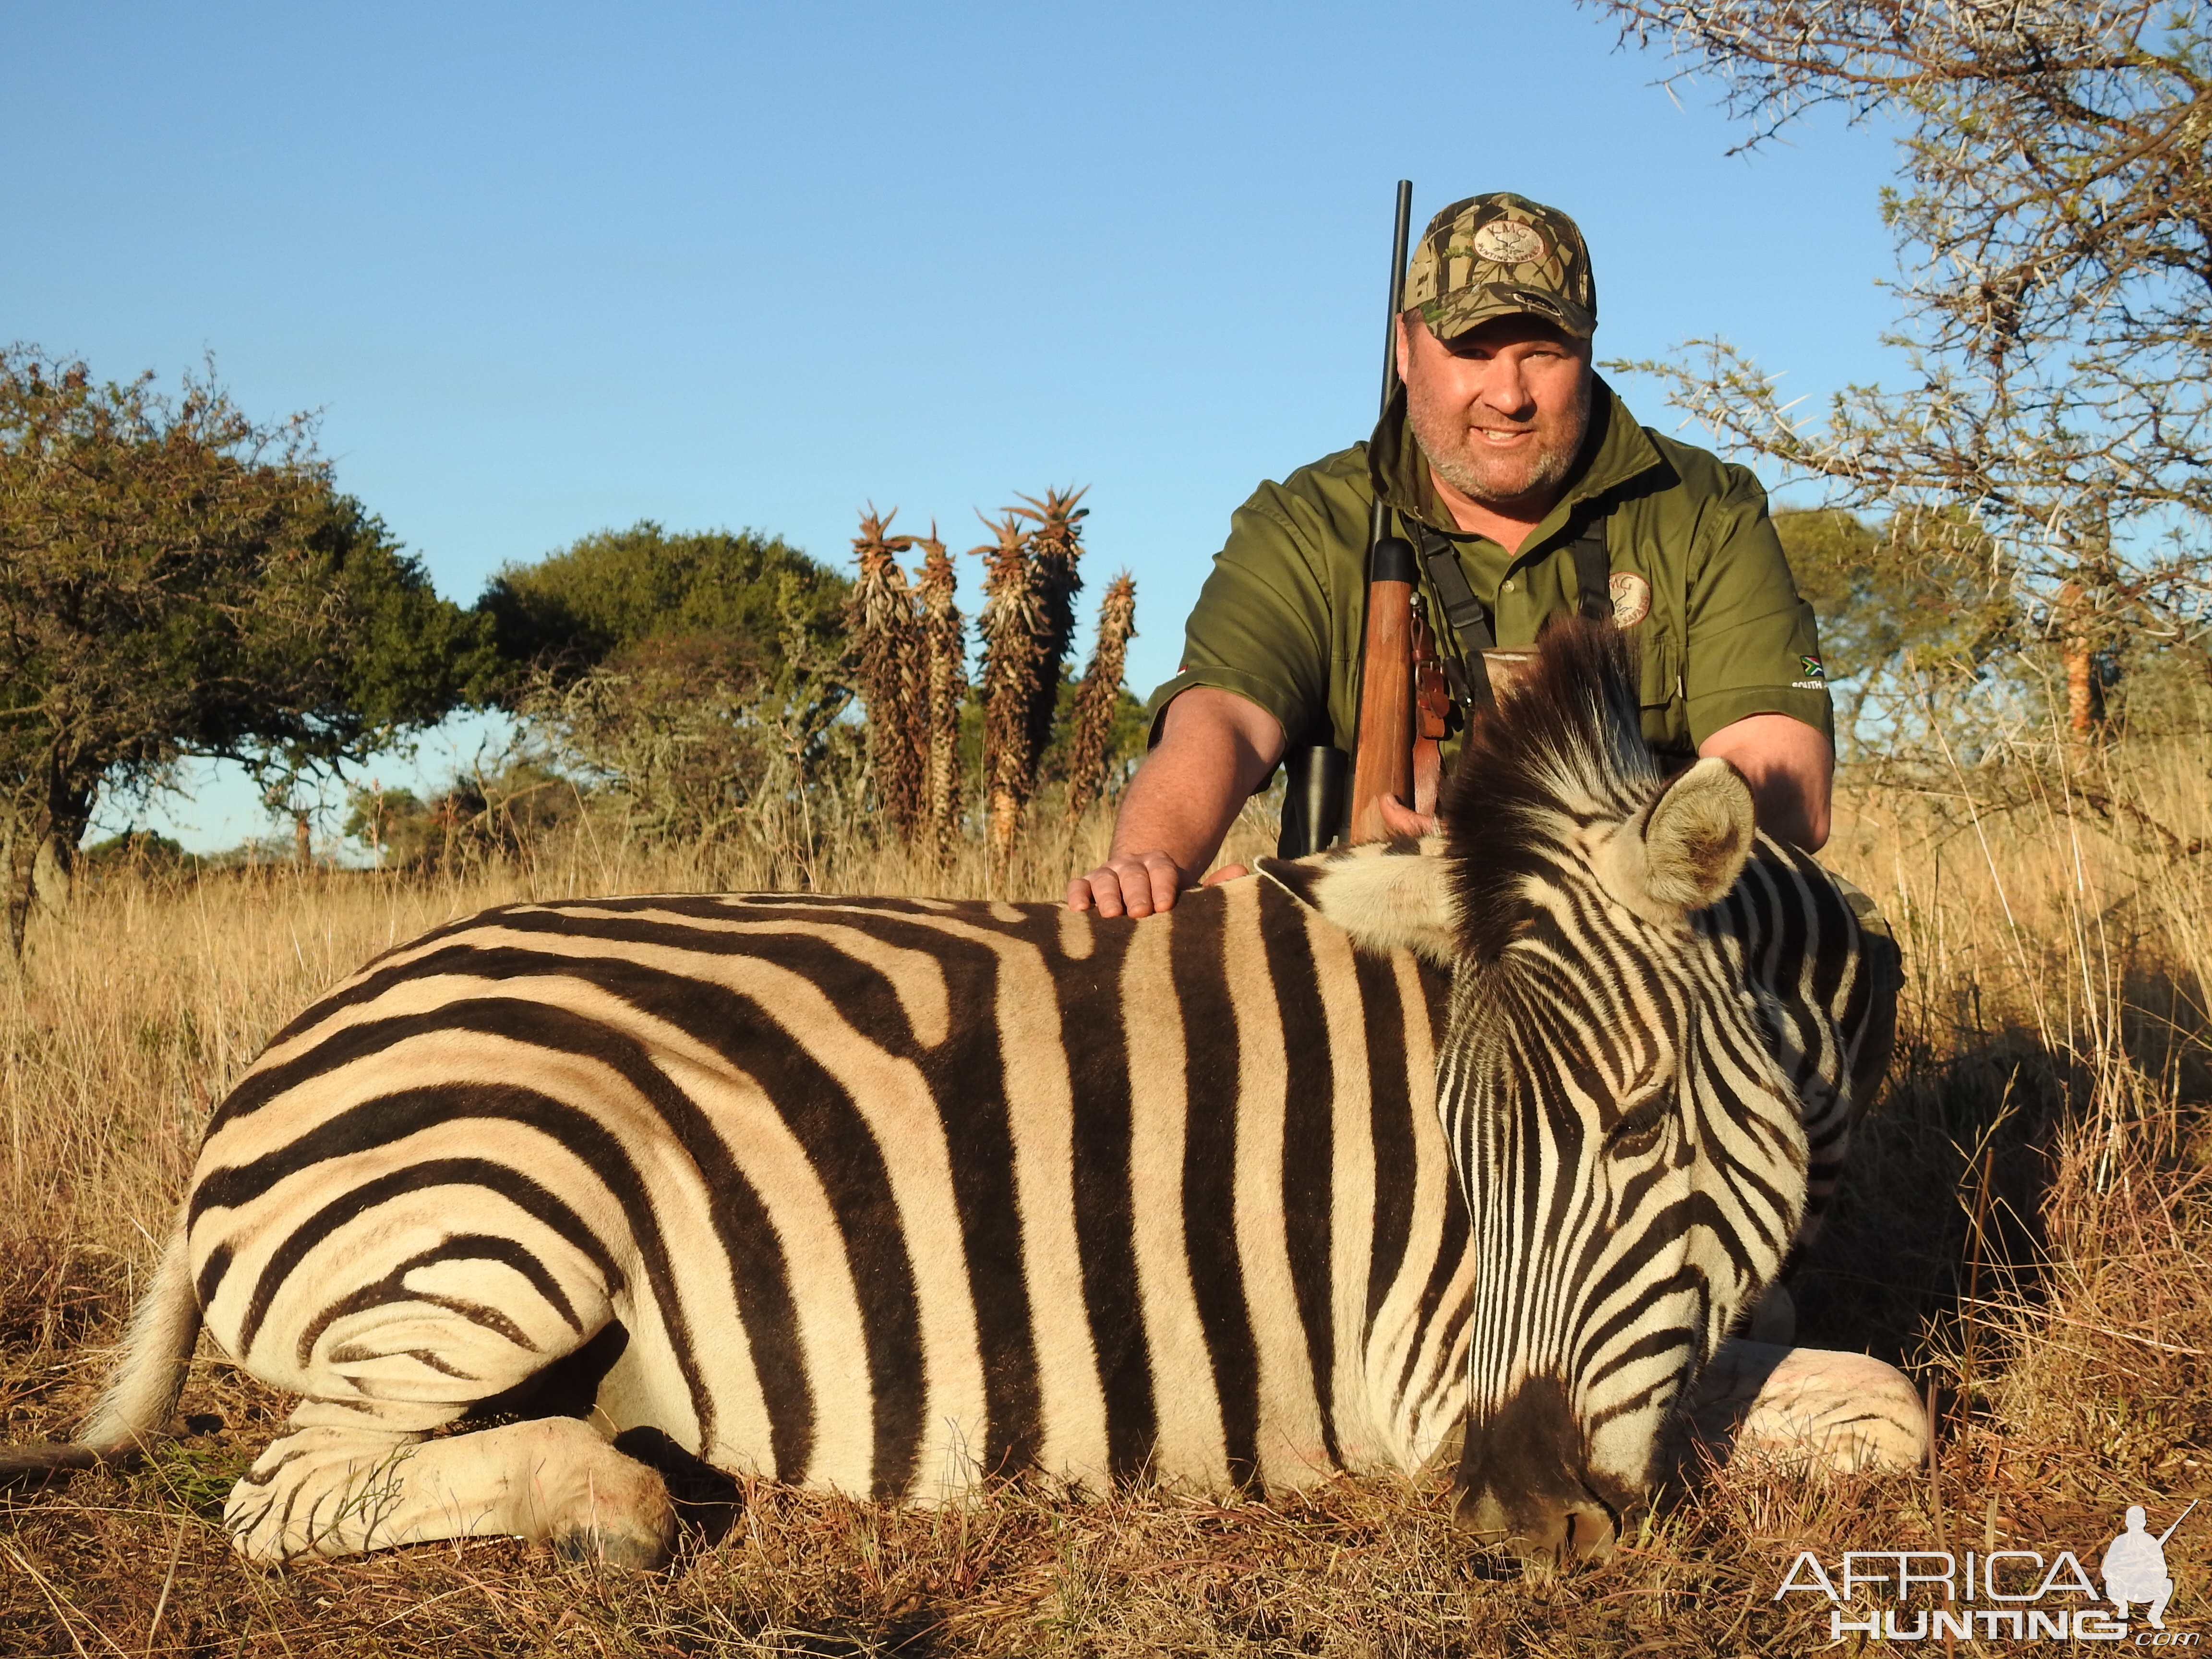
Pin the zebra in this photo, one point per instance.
(1475, 1147)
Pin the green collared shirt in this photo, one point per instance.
(1281, 617)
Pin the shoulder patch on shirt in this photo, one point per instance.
(1812, 668)
(1631, 599)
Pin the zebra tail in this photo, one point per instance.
(142, 1392)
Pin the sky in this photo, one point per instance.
(546, 270)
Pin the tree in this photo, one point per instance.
(575, 609)
(695, 680)
(2054, 224)
(1906, 635)
(177, 579)
(364, 649)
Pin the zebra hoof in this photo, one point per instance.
(591, 1503)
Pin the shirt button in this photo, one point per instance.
(1509, 586)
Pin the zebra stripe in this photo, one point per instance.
(1647, 1085)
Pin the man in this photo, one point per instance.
(2133, 1570)
(1499, 452)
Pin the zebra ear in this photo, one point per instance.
(1693, 843)
(1392, 895)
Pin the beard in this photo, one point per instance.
(1496, 477)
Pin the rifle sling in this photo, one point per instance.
(1470, 633)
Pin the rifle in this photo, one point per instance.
(1313, 798)
(2177, 1520)
(1382, 757)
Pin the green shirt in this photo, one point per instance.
(1281, 617)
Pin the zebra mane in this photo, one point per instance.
(1562, 746)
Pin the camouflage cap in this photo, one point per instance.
(1501, 255)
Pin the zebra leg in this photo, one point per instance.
(391, 1351)
(340, 1490)
(1809, 1408)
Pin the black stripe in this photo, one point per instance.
(838, 1143)
(511, 1184)
(1210, 1052)
(868, 997)
(1390, 1114)
(1309, 1141)
(462, 1247)
(754, 1253)
(967, 1076)
(872, 1003)
(1451, 1247)
(1099, 1027)
(213, 1272)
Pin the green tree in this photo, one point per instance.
(694, 681)
(1910, 625)
(364, 651)
(177, 579)
(577, 608)
(2053, 220)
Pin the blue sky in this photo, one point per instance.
(547, 268)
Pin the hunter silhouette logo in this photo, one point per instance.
(1999, 1595)
(2134, 1567)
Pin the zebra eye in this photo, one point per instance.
(1637, 1127)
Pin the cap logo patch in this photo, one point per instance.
(1631, 599)
(1508, 242)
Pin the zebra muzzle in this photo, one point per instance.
(1521, 1486)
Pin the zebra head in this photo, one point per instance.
(1631, 1153)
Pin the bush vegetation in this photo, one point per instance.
(179, 579)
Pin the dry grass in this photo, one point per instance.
(2027, 1228)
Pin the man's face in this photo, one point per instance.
(1501, 410)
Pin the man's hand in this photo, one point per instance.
(1137, 885)
(1215, 748)
(1401, 819)
(1790, 767)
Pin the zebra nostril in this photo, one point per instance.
(1590, 1534)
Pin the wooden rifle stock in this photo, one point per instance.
(1383, 753)
(1382, 760)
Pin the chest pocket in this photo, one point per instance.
(1659, 677)
(1660, 660)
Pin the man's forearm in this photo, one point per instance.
(1161, 813)
(1214, 749)
(1189, 791)
(1790, 769)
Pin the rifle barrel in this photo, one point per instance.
(1382, 755)
(1399, 234)
(2177, 1520)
